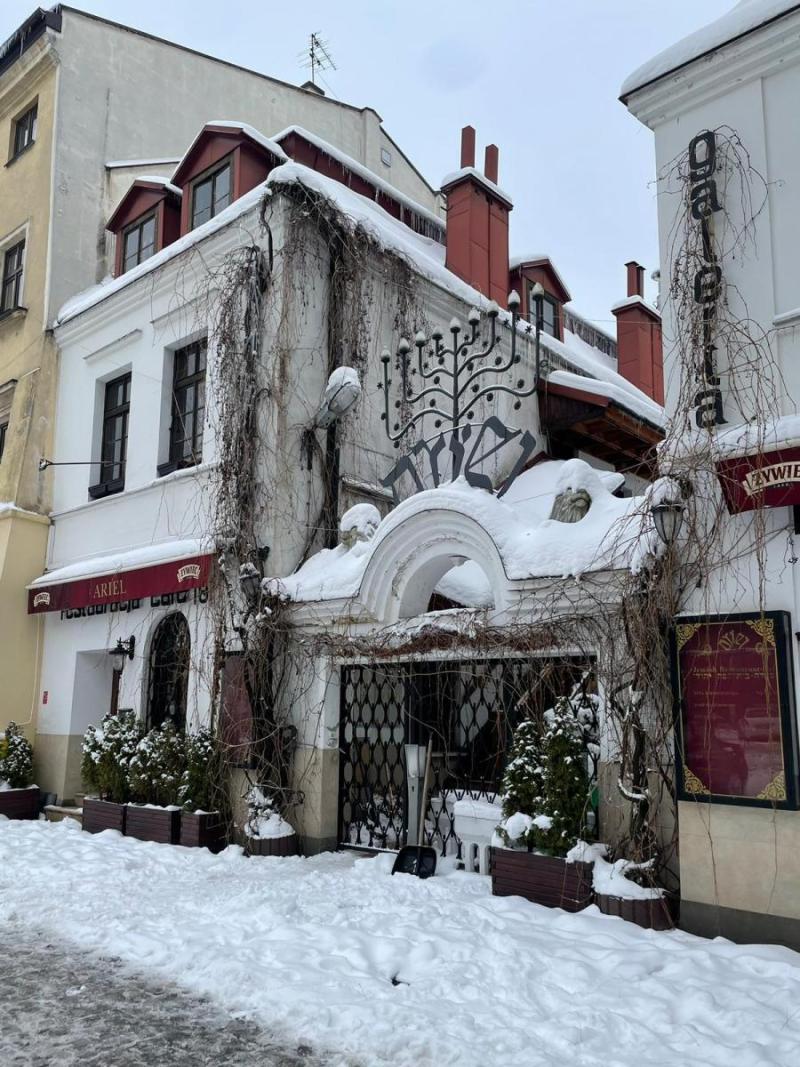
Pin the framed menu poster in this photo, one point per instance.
(736, 730)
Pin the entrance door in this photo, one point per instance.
(469, 708)
(169, 672)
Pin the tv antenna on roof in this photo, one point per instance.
(318, 56)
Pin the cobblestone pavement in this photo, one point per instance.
(60, 1007)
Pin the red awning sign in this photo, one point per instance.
(159, 578)
(766, 480)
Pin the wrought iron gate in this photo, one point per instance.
(469, 707)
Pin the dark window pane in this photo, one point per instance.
(202, 202)
(148, 238)
(222, 189)
(131, 251)
(3, 431)
(24, 131)
(12, 277)
(139, 243)
(114, 446)
(188, 405)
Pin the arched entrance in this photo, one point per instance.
(168, 679)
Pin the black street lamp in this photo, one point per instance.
(668, 519)
(122, 651)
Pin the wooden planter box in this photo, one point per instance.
(272, 846)
(153, 824)
(20, 803)
(203, 831)
(655, 914)
(102, 815)
(547, 880)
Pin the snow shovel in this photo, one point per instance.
(419, 859)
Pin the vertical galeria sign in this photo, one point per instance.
(707, 285)
(736, 732)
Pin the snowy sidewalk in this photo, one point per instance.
(65, 1008)
(309, 949)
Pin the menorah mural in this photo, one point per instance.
(453, 381)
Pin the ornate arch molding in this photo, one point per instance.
(409, 561)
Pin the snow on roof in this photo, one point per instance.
(479, 177)
(744, 18)
(616, 533)
(158, 180)
(746, 438)
(533, 260)
(112, 164)
(595, 364)
(424, 254)
(127, 560)
(631, 301)
(361, 171)
(76, 305)
(642, 405)
(243, 127)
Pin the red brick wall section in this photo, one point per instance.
(639, 350)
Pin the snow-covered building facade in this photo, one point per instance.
(242, 395)
(722, 104)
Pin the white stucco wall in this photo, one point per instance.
(742, 859)
(114, 82)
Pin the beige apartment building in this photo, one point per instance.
(78, 95)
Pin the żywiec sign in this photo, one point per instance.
(765, 480)
(126, 588)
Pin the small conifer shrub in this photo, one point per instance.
(16, 758)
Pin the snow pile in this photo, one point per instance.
(263, 820)
(611, 879)
(125, 560)
(745, 17)
(616, 533)
(311, 949)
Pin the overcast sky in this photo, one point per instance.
(540, 79)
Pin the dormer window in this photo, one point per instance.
(551, 311)
(211, 193)
(139, 242)
(146, 220)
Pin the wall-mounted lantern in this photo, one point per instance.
(668, 519)
(122, 651)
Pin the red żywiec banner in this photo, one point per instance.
(159, 578)
(766, 480)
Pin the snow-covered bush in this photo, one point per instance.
(16, 758)
(546, 787)
(522, 785)
(196, 792)
(565, 783)
(107, 753)
(263, 818)
(158, 765)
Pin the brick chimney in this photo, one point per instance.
(477, 222)
(639, 352)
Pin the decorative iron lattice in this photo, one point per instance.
(469, 708)
(447, 383)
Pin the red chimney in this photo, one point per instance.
(639, 352)
(635, 278)
(477, 222)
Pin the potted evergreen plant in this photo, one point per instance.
(105, 769)
(202, 824)
(546, 799)
(266, 832)
(156, 771)
(18, 798)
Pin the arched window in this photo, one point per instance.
(169, 672)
